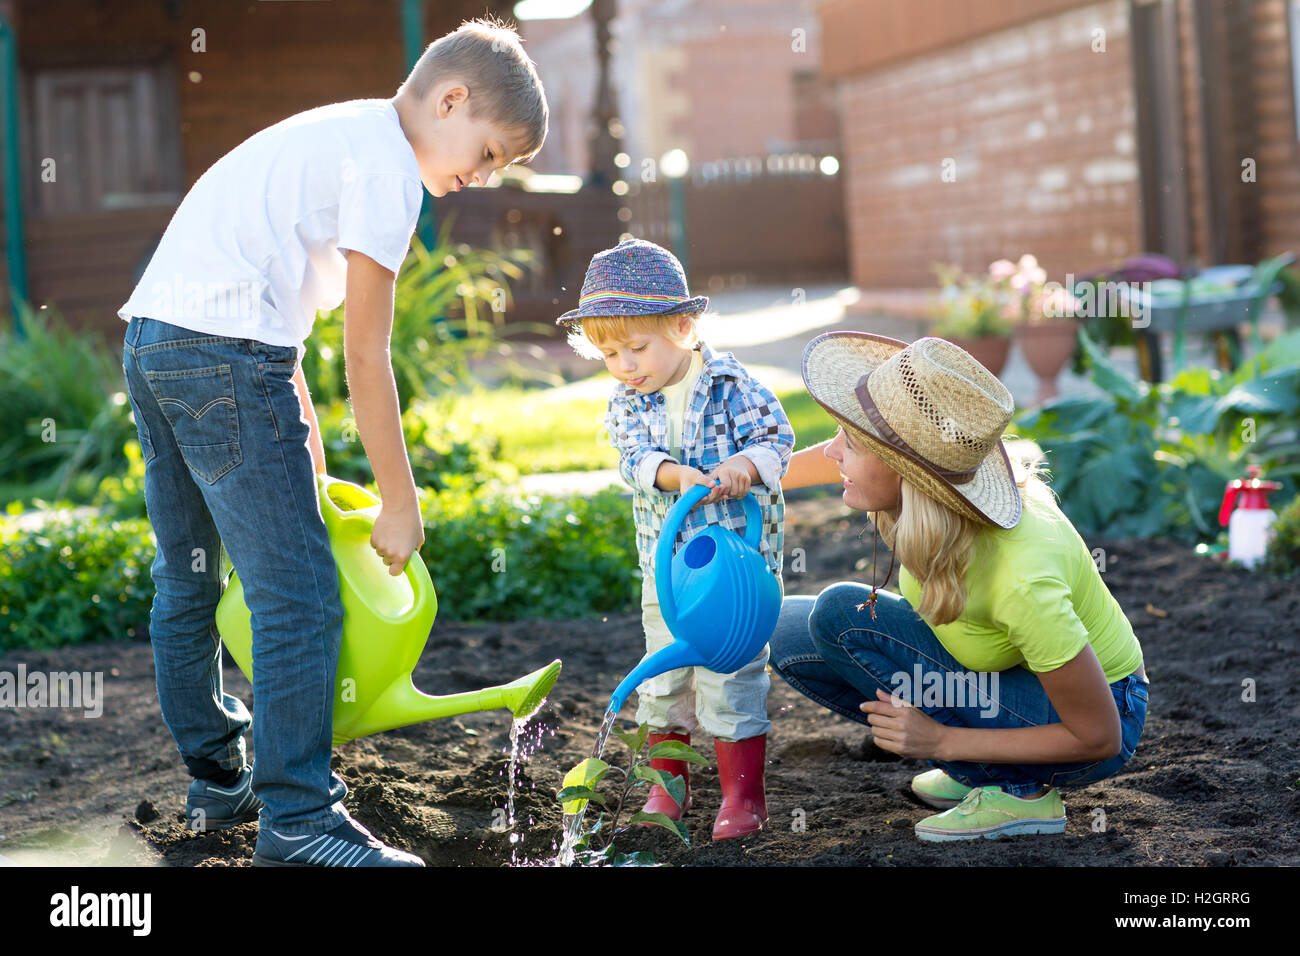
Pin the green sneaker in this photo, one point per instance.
(988, 812)
(936, 789)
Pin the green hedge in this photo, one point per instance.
(499, 556)
(74, 580)
(492, 556)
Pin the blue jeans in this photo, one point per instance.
(227, 463)
(829, 651)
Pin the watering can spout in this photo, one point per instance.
(675, 655)
(403, 704)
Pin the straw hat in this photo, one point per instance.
(929, 410)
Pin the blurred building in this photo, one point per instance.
(719, 79)
(123, 104)
(737, 86)
(1082, 132)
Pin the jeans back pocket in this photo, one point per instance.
(200, 405)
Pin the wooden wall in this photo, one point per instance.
(259, 63)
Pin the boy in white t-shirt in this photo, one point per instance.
(314, 210)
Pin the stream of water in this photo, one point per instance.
(573, 821)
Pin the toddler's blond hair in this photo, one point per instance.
(596, 330)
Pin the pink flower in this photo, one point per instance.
(1002, 269)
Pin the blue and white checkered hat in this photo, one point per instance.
(634, 278)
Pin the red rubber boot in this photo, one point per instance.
(744, 802)
(659, 801)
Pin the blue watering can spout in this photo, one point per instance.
(675, 655)
(717, 595)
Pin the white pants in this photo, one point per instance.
(728, 706)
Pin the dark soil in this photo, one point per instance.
(1213, 783)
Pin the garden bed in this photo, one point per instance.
(1214, 781)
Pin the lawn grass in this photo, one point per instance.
(541, 433)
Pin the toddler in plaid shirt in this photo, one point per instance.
(684, 415)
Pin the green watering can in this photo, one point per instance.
(386, 622)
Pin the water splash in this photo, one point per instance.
(515, 728)
(573, 821)
(522, 746)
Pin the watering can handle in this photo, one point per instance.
(668, 538)
(360, 521)
(346, 517)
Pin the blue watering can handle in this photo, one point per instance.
(668, 538)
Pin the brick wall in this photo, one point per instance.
(1041, 130)
(1279, 149)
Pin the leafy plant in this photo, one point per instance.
(72, 579)
(1145, 461)
(499, 555)
(67, 396)
(970, 306)
(595, 845)
(1283, 554)
(449, 310)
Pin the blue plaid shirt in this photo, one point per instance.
(729, 413)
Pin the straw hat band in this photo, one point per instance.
(892, 437)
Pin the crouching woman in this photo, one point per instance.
(1004, 662)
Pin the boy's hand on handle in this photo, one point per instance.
(688, 477)
(397, 534)
(734, 477)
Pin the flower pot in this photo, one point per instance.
(990, 351)
(1047, 346)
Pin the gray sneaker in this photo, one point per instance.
(348, 844)
(209, 807)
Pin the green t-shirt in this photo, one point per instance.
(1034, 596)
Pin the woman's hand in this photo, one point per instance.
(906, 730)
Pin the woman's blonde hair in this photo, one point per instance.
(597, 330)
(935, 543)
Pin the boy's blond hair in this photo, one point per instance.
(488, 56)
(595, 331)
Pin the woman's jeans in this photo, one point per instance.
(828, 650)
(227, 463)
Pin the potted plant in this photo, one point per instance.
(1046, 328)
(974, 313)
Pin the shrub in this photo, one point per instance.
(495, 555)
(1283, 554)
(74, 580)
(67, 395)
(1147, 461)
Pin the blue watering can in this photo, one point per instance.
(717, 596)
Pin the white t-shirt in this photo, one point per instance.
(677, 397)
(255, 249)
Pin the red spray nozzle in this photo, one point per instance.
(1253, 491)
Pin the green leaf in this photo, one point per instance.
(584, 776)
(639, 858)
(662, 820)
(1105, 375)
(571, 794)
(1196, 414)
(634, 741)
(674, 785)
(676, 750)
(1275, 393)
